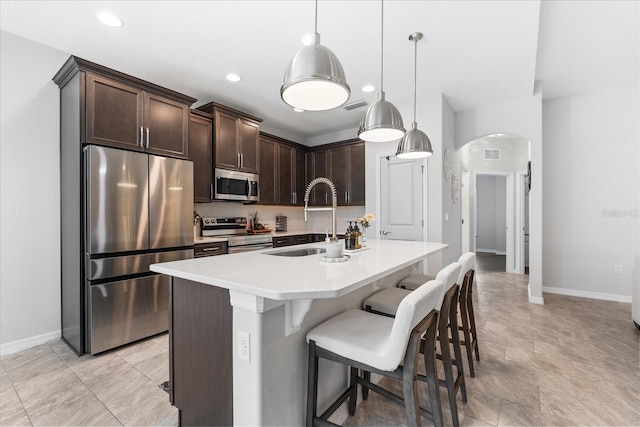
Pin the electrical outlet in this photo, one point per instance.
(618, 269)
(244, 346)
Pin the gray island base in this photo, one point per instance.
(238, 354)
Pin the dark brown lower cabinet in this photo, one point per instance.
(200, 353)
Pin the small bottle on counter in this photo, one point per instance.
(349, 243)
(358, 235)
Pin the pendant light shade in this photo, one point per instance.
(382, 122)
(415, 144)
(315, 79)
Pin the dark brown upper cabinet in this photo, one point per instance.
(320, 195)
(236, 138)
(343, 163)
(201, 154)
(268, 170)
(122, 111)
(282, 171)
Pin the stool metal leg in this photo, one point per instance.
(353, 397)
(409, 383)
(312, 385)
(431, 368)
(472, 317)
(453, 324)
(466, 327)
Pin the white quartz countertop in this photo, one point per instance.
(306, 277)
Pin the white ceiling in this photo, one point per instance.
(474, 52)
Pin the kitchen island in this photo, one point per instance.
(238, 324)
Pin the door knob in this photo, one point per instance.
(384, 232)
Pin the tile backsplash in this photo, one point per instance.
(318, 221)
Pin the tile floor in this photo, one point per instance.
(573, 361)
(49, 385)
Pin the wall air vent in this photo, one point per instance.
(491, 154)
(355, 104)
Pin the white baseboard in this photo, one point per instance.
(532, 299)
(491, 251)
(587, 294)
(23, 344)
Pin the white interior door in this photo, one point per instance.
(401, 199)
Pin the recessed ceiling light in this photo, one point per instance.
(298, 110)
(109, 19)
(232, 77)
(368, 88)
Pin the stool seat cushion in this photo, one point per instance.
(414, 281)
(386, 301)
(357, 335)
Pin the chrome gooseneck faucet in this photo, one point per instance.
(333, 208)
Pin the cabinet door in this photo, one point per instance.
(225, 141)
(356, 174)
(247, 139)
(285, 175)
(166, 124)
(268, 171)
(338, 172)
(113, 113)
(300, 176)
(201, 154)
(320, 193)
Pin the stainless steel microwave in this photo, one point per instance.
(233, 185)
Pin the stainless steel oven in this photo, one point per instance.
(234, 229)
(233, 185)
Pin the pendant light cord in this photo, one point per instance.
(316, 19)
(382, 46)
(415, 78)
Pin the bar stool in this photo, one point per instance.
(386, 302)
(379, 344)
(383, 303)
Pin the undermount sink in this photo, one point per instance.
(298, 252)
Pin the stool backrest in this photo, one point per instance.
(448, 277)
(412, 310)
(468, 262)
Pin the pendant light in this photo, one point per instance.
(415, 143)
(315, 79)
(382, 122)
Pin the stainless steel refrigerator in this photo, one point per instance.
(138, 210)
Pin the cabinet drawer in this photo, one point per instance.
(279, 242)
(210, 249)
(302, 239)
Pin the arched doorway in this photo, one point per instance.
(494, 170)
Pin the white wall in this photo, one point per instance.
(591, 191)
(451, 211)
(29, 191)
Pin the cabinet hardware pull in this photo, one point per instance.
(147, 138)
(241, 160)
(210, 249)
(295, 198)
(211, 191)
(141, 137)
(238, 159)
